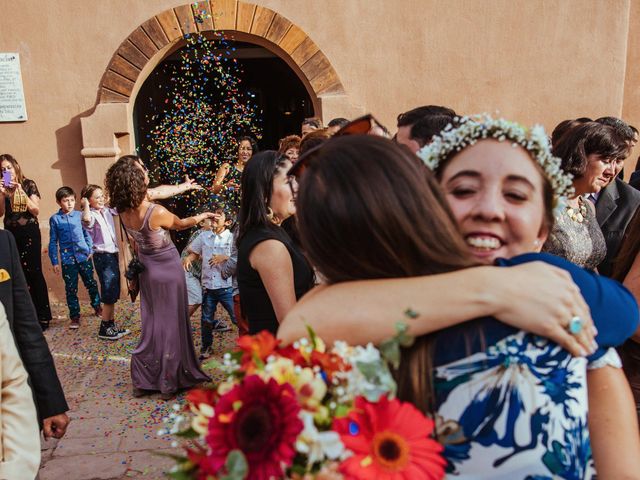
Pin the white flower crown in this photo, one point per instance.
(469, 130)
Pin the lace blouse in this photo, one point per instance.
(581, 243)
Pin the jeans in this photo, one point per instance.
(70, 275)
(210, 299)
(108, 270)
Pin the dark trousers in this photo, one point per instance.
(70, 274)
(108, 270)
(210, 300)
(29, 243)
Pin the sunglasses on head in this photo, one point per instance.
(365, 125)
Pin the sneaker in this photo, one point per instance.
(122, 332)
(206, 353)
(220, 327)
(75, 323)
(98, 311)
(107, 332)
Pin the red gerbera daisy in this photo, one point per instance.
(261, 420)
(390, 441)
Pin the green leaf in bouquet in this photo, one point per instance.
(312, 336)
(180, 459)
(369, 370)
(213, 364)
(188, 433)
(342, 411)
(180, 475)
(236, 466)
(390, 349)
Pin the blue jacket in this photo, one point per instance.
(75, 242)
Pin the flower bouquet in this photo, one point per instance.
(301, 411)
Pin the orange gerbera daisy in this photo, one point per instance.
(255, 348)
(390, 440)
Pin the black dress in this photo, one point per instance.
(253, 296)
(26, 230)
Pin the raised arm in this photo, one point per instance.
(534, 297)
(162, 192)
(218, 181)
(161, 217)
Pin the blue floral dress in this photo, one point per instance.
(512, 405)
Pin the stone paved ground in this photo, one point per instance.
(112, 435)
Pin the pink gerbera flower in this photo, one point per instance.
(390, 440)
(260, 419)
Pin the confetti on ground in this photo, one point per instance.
(106, 418)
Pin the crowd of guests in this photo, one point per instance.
(516, 252)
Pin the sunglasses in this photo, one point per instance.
(365, 125)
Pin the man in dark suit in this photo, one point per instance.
(615, 206)
(32, 345)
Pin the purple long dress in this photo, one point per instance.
(165, 358)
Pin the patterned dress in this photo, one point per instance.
(512, 405)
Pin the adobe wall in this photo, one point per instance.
(534, 61)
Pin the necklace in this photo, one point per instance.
(580, 214)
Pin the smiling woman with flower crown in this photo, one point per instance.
(507, 404)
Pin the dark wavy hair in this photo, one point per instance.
(251, 140)
(257, 187)
(575, 146)
(16, 166)
(124, 183)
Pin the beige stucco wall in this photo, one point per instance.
(533, 60)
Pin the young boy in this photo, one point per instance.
(97, 220)
(214, 248)
(66, 232)
(193, 269)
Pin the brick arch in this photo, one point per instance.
(150, 42)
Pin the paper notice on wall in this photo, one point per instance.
(12, 105)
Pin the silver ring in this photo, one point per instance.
(575, 325)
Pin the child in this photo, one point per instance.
(65, 231)
(214, 248)
(193, 270)
(98, 221)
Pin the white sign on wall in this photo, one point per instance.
(12, 105)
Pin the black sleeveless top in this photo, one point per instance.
(254, 298)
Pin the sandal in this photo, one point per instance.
(44, 324)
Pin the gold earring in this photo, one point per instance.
(270, 214)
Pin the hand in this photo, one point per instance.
(186, 264)
(84, 203)
(191, 184)
(216, 259)
(551, 300)
(56, 269)
(55, 426)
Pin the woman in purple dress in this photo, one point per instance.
(165, 359)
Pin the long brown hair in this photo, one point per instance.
(369, 209)
(15, 164)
